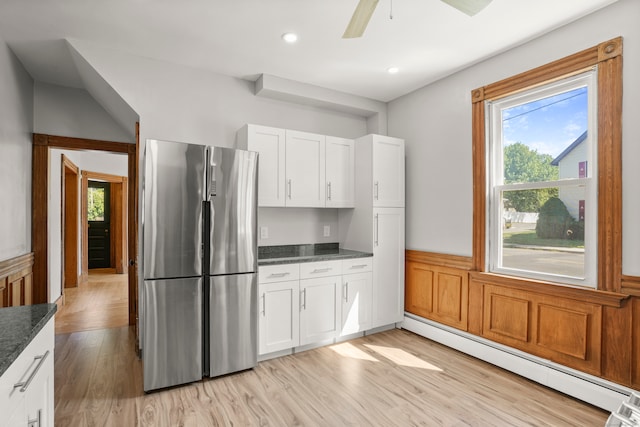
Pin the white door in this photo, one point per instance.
(356, 303)
(278, 317)
(305, 169)
(319, 308)
(388, 266)
(388, 172)
(340, 172)
(270, 144)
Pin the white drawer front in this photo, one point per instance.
(310, 270)
(357, 265)
(278, 273)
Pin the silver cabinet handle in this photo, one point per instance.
(264, 304)
(358, 266)
(37, 421)
(279, 274)
(376, 230)
(303, 295)
(321, 270)
(289, 185)
(346, 292)
(376, 188)
(329, 191)
(25, 384)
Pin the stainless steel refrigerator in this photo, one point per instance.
(199, 293)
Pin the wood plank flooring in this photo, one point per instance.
(100, 303)
(393, 378)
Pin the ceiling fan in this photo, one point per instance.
(365, 8)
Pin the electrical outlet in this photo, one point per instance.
(264, 232)
(327, 231)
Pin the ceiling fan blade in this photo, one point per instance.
(360, 19)
(470, 7)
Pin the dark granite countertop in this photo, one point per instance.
(18, 326)
(290, 254)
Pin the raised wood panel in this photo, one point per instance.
(16, 281)
(617, 329)
(558, 329)
(506, 317)
(448, 293)
(571, 339)
(418, 289)
(437, 293)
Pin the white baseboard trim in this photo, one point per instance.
(588, 388)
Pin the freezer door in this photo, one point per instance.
(174, 182)
(233, 323)
(232, 191)
(172, 338)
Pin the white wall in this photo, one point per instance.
(16, 124)
(92, 161)
(178, 103)
(436, 124)
(291, 226)
(73, 112)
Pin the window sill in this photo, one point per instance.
(595, 296)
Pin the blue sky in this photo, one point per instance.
(548, 125)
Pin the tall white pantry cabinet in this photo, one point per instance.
(377, 222)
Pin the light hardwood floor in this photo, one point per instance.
(393, 378)
(100, 303)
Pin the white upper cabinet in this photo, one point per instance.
(388, 171)
(305, 169)
(270, 144)
(340, 166)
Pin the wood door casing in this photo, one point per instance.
(40, 184)
(69, 202)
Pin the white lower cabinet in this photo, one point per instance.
(319, 308)
(26, 387)
(279, 316)
(312, 302)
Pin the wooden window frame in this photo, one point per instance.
(608, 57)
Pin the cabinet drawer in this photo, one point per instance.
(278, 273)
(24, 367)
(320, 269)
(357, 265)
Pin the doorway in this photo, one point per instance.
(98, 224)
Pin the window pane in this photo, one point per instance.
(95, 206)
(541, 135)
(549, 241)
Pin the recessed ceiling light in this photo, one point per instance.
(290, 37)
(393, 70)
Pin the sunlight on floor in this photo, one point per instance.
(349, 350)
(402, 358)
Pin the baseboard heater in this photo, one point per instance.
(588, 388)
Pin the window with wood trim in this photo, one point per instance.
(548, 203)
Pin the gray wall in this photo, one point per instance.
(436, 123)
(16, 121)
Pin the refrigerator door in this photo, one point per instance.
(233, 323)
(174, 182)
(172, 350)
(232, 183)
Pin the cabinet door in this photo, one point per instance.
(388, 266)
(305, 169)
(319, 308)
(39, 396)
(270, 144)
(356, 303)
(340, 171)
(279, 316)
(388, 172)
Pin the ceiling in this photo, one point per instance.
(426, 39)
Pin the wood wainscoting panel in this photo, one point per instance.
(506, 316)
(16, 281)
(571, 339)
(419, 289)
(450, 297)
(635, 352)
(617, 332)
(437, 293)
